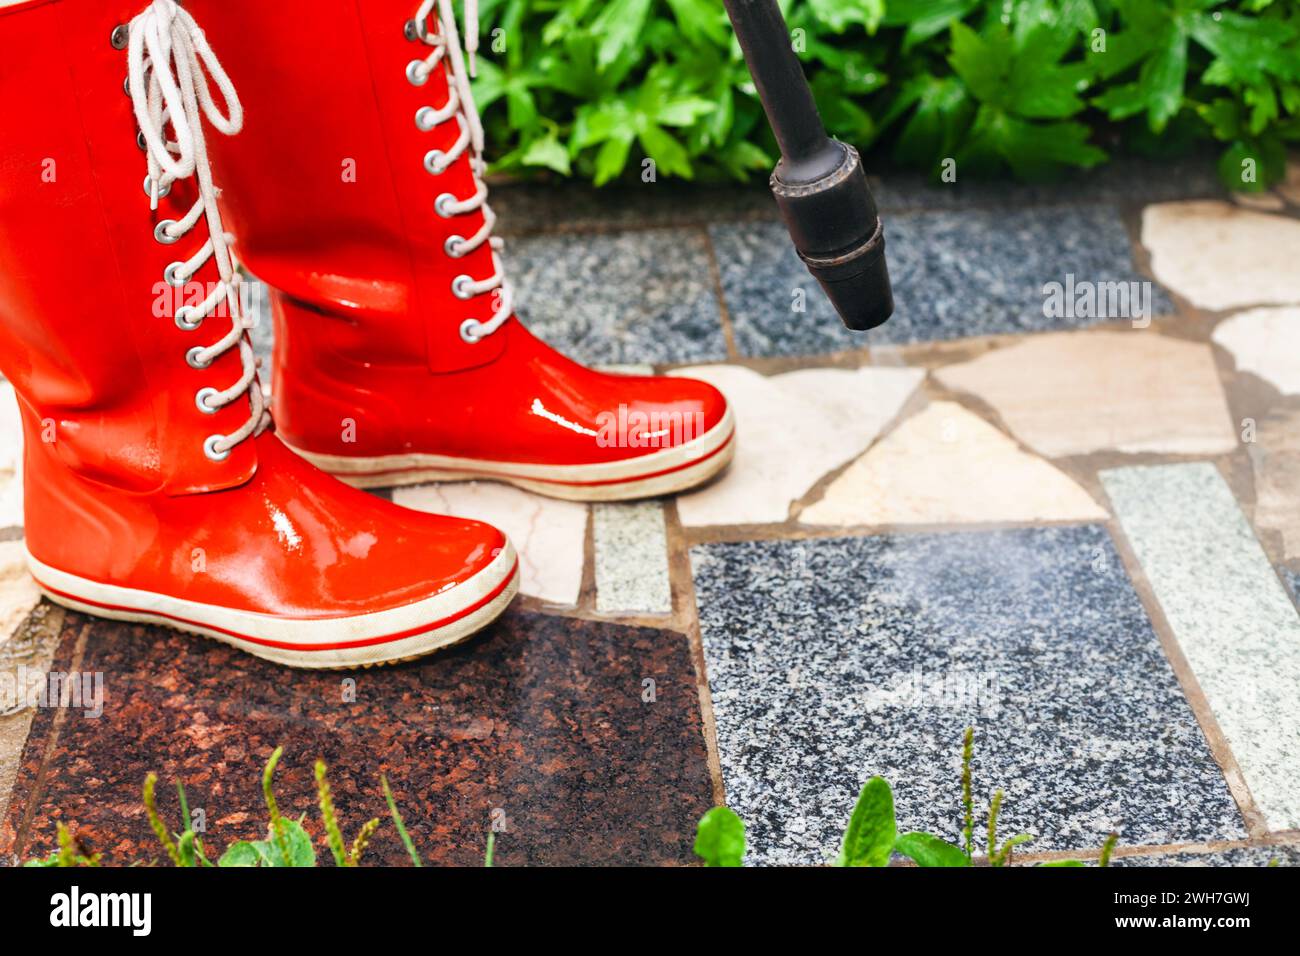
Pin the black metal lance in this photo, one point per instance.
(819, 183)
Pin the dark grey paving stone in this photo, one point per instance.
(635, 297)
(979, 271)
(815, 650)
(1238, 856)
(619, 298)
(1124, 180)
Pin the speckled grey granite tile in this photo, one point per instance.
(955, 274)
(622, 298)
(1230, 615)
(831, 660)
(1237, 856)
(631, 555)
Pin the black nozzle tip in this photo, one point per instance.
(833, 221)
(857, 282)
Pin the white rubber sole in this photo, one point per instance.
(363, 640)
(645, 476)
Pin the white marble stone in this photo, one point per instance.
(1072, 393)
(1229, 613)
(548, 534)
(948, 465)
(18, 592)
(1265, 342)
(11, 459)
(791, 430)
(631, 556)
(1221, 256)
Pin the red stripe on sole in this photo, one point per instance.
(289, 646)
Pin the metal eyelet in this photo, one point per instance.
(417, 74)
(192, 358)
(413, 30)
(443, 200)
(453, 246)
(120, 36)
(141, 142)
(433, 161)
(201, 400)
(148, 188)
(424, 118)
(469, 331)
(126, 85)
(160, 232)
(460, 287)
(210, 448)
(172, 276)
(183, 320)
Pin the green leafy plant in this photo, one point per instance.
(1033, 87)
(872, 838)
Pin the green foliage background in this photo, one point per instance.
(588, 88)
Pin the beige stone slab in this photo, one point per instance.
(947, 465)
(549, 535)
(1221, 256)
(18, 592)
(1275, 456)
(791, 431)
(1072, 393)
(1265, 342)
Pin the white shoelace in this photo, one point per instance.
(169, 66)
(460, 106)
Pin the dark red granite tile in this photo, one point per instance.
(540, 717)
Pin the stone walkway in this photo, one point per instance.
(1066, 518)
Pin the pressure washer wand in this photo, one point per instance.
(819, 184)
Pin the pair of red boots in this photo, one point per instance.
(155, 489)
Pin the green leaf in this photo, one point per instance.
(983, 64)
(869, 838)
(618, 26)
(1062, 863)
(839, 15)
(669, 155)
(547, 151)
(928, 850)
(720, 838)
(300, 850)
(925, 18)
(612, 158)
(242, 853)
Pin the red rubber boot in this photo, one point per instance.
(356, 191)
(154, 491)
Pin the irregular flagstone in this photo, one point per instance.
(791, 430)
(831, 660)
(1076, 393)
(1221, 256)
(948, 465)
(1275, 455)
(1265, 342)
(11, 459)
(631, 556)
(1229, 613)
(579, 741)
(1254, 856)
(548, 534)
(18, 592)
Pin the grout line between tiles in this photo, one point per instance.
(724, 313)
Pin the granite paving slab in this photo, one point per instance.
(1230, 614)
(543, 726)
(631, 558)
(831, 660)
(955, 274)
(621, 297)
(1251, 856)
